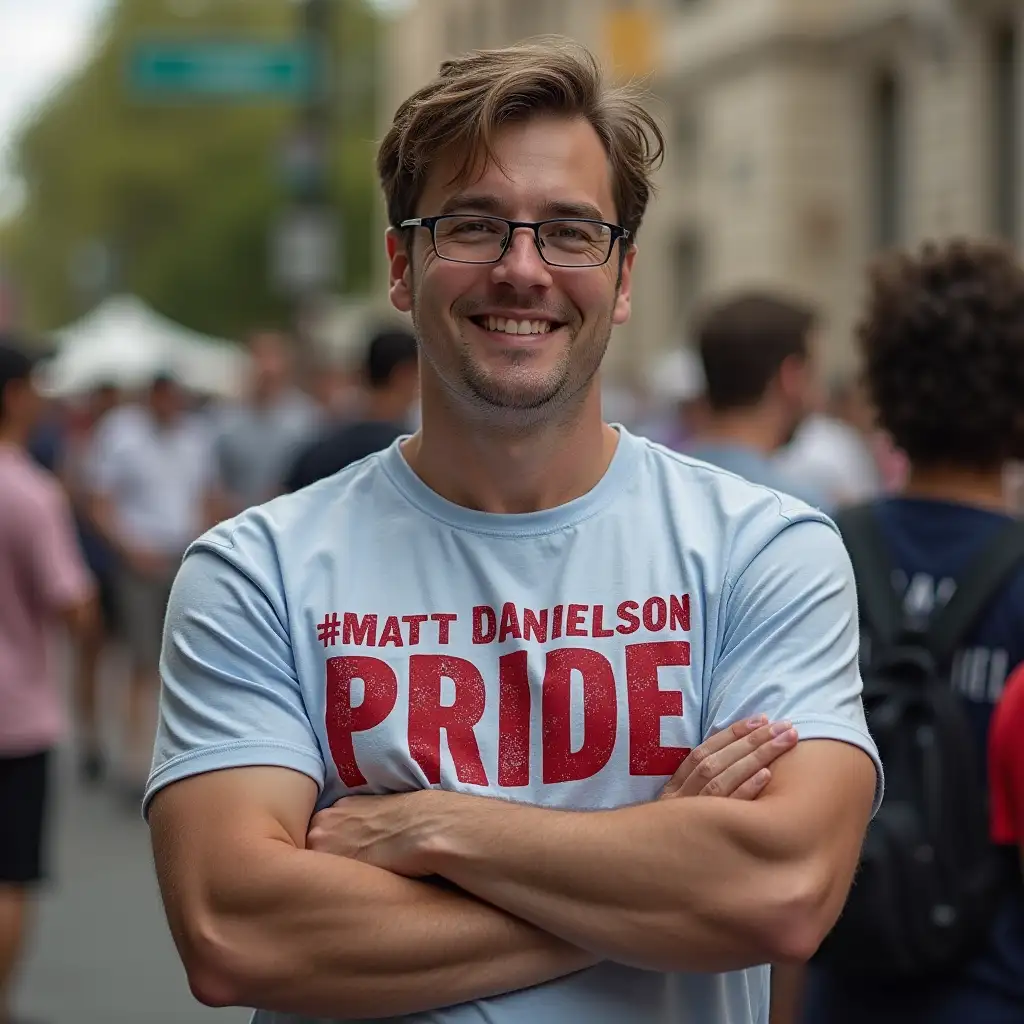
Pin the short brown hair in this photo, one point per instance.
(473, 96)
(943, 344)
(744, 341)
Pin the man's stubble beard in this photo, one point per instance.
(529, 404)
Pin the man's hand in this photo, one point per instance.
(385, 830)
(379, 830)
(734, 762)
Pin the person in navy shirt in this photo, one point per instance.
(943, 346)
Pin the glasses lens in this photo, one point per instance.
(470, 239)
(575, 243)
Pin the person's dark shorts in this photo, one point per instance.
(106, 583)
(23, 802)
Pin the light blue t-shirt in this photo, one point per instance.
(376, 637)
(750, 464)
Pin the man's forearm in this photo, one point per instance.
(312, 934)
(667, 886)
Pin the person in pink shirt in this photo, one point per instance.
(42, 579)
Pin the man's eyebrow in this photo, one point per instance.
(478, 202)
(570, 208)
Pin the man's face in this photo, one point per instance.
(166, 401)
(271, 364)
(546, 167)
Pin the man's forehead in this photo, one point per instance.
(549, 164)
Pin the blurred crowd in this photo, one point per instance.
(147, 471)
(102, 493)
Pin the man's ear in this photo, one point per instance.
(624, 290)
(400, 270)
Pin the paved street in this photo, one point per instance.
(101, 952)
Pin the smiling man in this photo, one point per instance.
(425, 724)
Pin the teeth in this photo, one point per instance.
(499, 323)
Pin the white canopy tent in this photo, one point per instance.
(124, 342)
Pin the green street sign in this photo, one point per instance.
(221, 69)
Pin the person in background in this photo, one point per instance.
(833, 450)
(1006, 777)
(75, 471)
(257, 438)
(757, 353)
(676, 385)
(930, 318)
(392, 383)
(43, 579)
(152, 494)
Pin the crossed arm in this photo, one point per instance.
(263, 919)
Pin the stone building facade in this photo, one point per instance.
(803, 135)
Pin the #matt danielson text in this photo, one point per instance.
(487, 624)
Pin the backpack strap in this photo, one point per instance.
(879, 603)
(977, 587)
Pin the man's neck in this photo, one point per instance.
(978, 488)
(756, 429)
(491, 470)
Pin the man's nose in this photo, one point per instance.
(522, 264)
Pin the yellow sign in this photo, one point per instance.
(631, 41)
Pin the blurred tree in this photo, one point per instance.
(175, 201)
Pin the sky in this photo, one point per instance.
(41, 41)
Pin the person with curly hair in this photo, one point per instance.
(943, 348)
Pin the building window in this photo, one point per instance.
(1006, 139)
(887, 160)
(687, 273)
(686, 140)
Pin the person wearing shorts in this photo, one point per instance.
(42, 579)
(420, 720)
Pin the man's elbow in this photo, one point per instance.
(805, 914)
(220, 971)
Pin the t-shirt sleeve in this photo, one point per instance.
(789, 639)
(1006, 764)
(230, 696)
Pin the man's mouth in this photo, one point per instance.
(516, 327)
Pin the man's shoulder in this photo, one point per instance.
(715, 509)
(733, 497)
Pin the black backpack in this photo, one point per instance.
(929, 879)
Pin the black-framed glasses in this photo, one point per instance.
(561, 242)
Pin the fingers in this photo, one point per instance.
(730, 777)
(752, 788)
(725, 762)
(712, 745)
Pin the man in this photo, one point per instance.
(257, 439)
(757, 353)
(943, 347)
(392, 382)
(42, 580)
(516, 615)
(151, 496)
